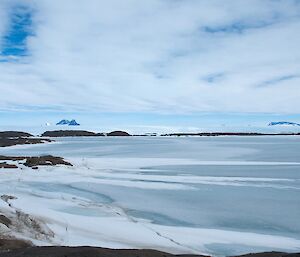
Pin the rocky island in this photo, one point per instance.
(71, 133)
(11, 138)
(82, 133)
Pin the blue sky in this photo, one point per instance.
(157, 65)
(19, 29)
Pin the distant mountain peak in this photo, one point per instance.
(283, 123)
(63, 122)
(68, 122)
(73, 123)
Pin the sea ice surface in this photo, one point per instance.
(220, 195)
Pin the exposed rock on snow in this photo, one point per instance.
(21, 223)
(5, 221)
(46, 160)
(5, 165)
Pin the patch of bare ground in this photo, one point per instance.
(55, 251)
(4, 165)
(10, 244)
(270, 254)
(33, 162)
(60, 251)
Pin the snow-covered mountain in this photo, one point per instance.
(67, 122)
(63, 122)
(73, 123)
(283, 123)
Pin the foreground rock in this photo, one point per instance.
(71, 133)
(12, 244)
(84, 252)
(18, 248)
(33, 162)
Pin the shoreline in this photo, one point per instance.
(10, 138)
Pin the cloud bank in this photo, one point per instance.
(156, 56)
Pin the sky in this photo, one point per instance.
(155, 65)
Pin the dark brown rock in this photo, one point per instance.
(61, 251)
(47, 160)
(85, 252)
(11, 158)
(14, 134)
(10, 244)
(5, 221)
(21, 141)
(11, 247)
(4, 165)
(71, 133)
(118, 134)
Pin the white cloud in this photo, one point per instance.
(155, 56)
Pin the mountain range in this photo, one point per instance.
(283, 123)
(68, 122)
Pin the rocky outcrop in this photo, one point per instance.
(6, 141)
(47, 160)
(5, 221)
(33, 162)
(81, 133)
(70, 133)
(10, 244)
(10, 138)
(9, 134)
(118, 133)
(4, 165)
